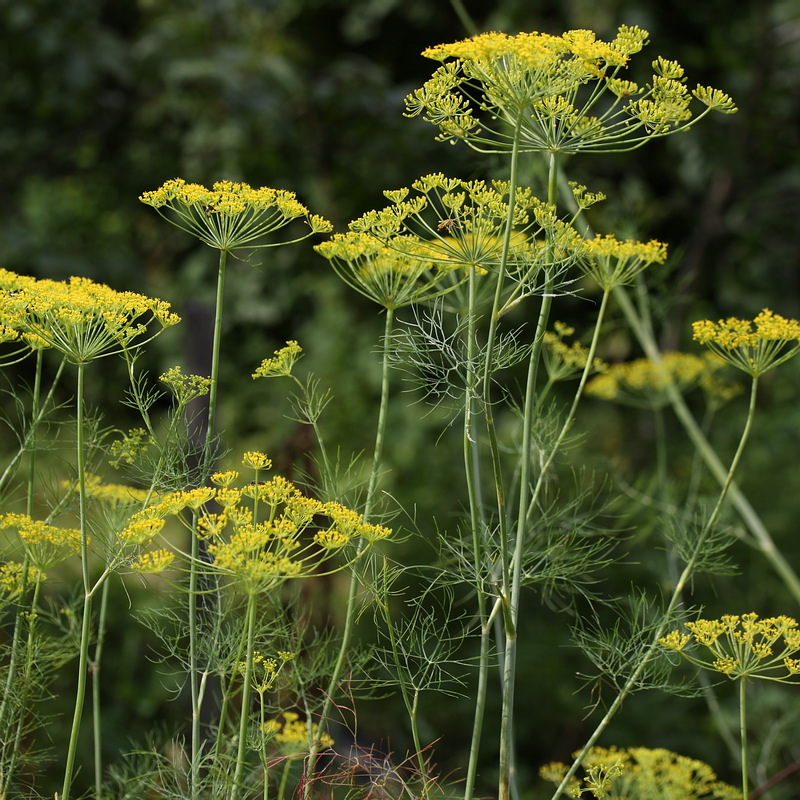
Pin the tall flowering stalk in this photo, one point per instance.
(227, 217)
(774, 340)
(84, 321)
(553, 95)
(741, 648)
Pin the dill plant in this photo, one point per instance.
(450, 263)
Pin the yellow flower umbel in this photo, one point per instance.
(231, 215)
(753, 347)
(448, 223)
(639, 773)
(387, 276)
(266, 532)
(611, 262)
(556, 94)
(82, 319)
(281, 363)
(742, 647)
(644, 383)
(563, 361)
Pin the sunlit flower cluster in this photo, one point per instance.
(79, 318)
(641, 773)
(47, 544)
(281, 363)
(752, 346)
(265, 532)
(555, 93)
(612, 262)
(742, 646)
(644, 382)
(450, 223)
(231, 215)
(185, 388)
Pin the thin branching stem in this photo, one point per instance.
(350, 608)
(675, 599)
(740, 502)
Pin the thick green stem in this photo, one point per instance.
(477, 527)
(83, 655)
(350, 608)
(648, 654)
(739, 501)
(244, 720)
(512, 571)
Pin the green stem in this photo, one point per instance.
(743, 734)
(738, 499)
(350, 608)
(512, 571)
(244, 720)
(215, 355)
(194, 690)
(648, 654)
(83, 656)
(477, 526)
(94, 668)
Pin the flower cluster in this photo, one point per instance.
(79, 318)
(292, 732)
(281, 363)
(640, 773)
(231, 215)
(644, 382)
(562, 360)
(611, 262)
(265, 532)
(392, 277)
(46, 544)
(752, 346)
(555, 93)
(743, 647)
(450, 223)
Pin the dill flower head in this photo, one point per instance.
(292, 733)
(48, 545)
(231, 215)
(281, 363)
(644, 383)
(392, 277)
(563, 361)
(450, 224)
(754, 347)
(641, 773)
(555, 93)
(611, 262)
(742, 646)
(263, 533)
(82, 319)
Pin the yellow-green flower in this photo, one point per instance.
(386, 275)
(641, 773)
(281, 363)
(185, 387)
(611, 262)
(752, 346)
(742, 646)
(562, 360)
(645, 383)
(231, 215)
(555, 93)
(153, 562)
(82, 319)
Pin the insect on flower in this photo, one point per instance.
(448, 225)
